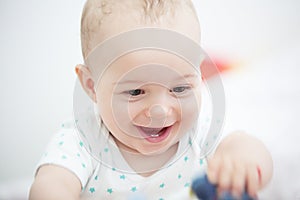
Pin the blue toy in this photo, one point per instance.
(204, 190)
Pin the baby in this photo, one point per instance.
(136, 134)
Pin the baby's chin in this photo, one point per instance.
(158, 151)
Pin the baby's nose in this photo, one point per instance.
(158, 111)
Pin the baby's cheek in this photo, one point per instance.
(190, 109)
(136, 113)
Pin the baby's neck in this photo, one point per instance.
(146, 165)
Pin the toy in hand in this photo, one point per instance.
(204, 190)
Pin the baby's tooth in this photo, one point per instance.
(154, 135)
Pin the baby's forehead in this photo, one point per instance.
(153, 59)
(150, 67)
(154, 74)
(138, 47)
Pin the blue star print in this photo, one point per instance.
(133, 189)
(122, 177)
(92, 190)
(109, 190)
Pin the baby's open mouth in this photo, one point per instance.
(154, 134)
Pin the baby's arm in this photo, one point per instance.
(240, 162)
(54, 183)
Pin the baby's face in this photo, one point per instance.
(148, 100)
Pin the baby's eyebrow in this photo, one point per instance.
(186, 76)
(128, 82)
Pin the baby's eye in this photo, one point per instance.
(180, 89)
(136, 92)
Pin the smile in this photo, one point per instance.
(155, 135)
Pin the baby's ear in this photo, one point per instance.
(86, 79)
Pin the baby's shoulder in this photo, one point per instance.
(67, 136)
(66, 149)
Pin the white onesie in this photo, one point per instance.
(102, 181)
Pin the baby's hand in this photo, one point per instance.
(234, 175)
(238, 166)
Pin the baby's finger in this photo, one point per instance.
(238, 180)
(225, 175)
(252, 180)
(213, 169)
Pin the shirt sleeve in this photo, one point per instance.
(67, 150)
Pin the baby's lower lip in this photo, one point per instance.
(156, 137)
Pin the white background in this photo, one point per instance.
(40, 46)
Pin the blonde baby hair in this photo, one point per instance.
(141, 12)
